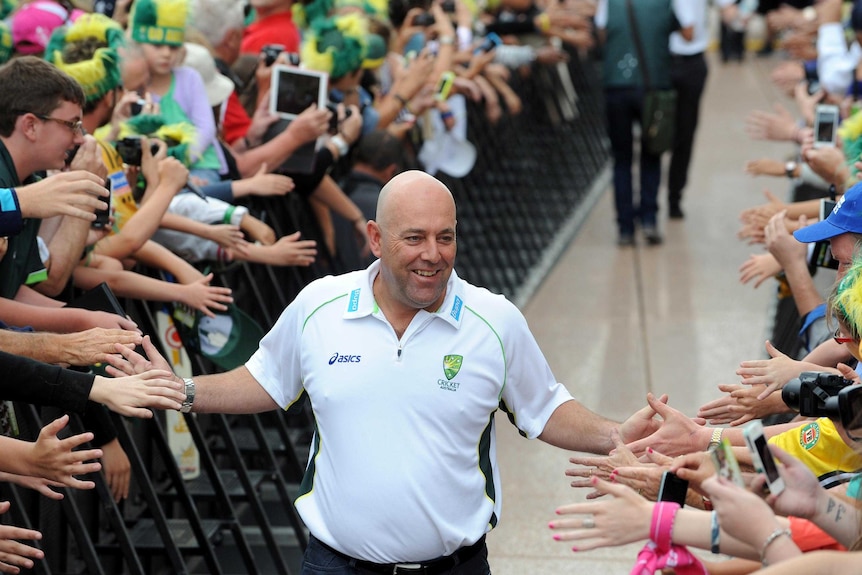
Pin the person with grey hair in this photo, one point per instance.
(221, 23)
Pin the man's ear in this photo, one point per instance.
(374, 237)
(26, 125)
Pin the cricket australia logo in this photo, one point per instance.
(451, 367)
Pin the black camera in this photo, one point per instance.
(816, 394)
(333, 120)
(137, 107)
(448, 6)
(813, 393)
(424, 19)
(131, 152)
(270, 53)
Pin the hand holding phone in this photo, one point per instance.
(762, 456)
(103, 217)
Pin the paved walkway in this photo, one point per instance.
(617, 323)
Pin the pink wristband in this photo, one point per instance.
(661, 527)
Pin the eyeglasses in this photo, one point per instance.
(838, 339)
(76, 127)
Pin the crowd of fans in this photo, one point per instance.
(802, 392)
(134, 132)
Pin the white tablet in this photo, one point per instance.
(293, 90)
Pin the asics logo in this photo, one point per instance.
(338, 358)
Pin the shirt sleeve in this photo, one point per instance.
(276, 364)
(31, 381)
(601, 17)
(835, 63)
(685, 12)
(11, 221)
(197, 108)
(531, 394)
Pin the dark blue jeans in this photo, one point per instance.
(319, 560)
(624, 107)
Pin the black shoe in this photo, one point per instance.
(675, 212)
(626, 240)
(652, 236)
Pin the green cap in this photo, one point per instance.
(228, 339)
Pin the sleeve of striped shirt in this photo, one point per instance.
(11, 221)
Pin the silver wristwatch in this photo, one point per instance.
(190, 395)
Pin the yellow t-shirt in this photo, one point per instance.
(819, 446)
(123, 205)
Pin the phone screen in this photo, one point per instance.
(769, 466)
(826, 121)
(672, 488)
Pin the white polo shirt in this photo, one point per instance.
(403, 462)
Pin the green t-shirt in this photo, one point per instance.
(655, 21)
(21, 264)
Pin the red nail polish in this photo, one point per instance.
(556, 537)
(649, 449)
(575, 549)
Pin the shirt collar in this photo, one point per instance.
(360, 300)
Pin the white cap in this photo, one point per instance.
(218, 86)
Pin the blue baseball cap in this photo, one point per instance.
(846, 218)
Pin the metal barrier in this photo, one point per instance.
(532, 173)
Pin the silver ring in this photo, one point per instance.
(589, 522)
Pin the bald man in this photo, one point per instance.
(405, 365)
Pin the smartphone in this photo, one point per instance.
(444, 86)
(490, 42)
(103, 217)
(820, 256)
(826, 118)
(762, 456)
(725, 462)
(672, 488)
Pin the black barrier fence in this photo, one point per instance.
(533, 172)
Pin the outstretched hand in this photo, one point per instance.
(774, 373)
(53, 458)
(133, 395)
(618, 520)
(673, 434)
(13, 554)
(642, 422)
(130, 362)
(602, 465)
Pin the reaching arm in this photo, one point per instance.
(235, 391)
(572, 426)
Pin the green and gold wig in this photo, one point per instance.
(86, 50)
(335, 45)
